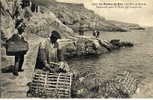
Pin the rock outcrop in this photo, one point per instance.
(81, 46)
(84, 45)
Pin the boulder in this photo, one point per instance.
(82, 45)
(118, 44)
(106, 44)
(68, 47)
(115, 44)
(88, 45)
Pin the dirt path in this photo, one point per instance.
(16, 87)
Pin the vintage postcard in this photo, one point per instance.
(76, 49)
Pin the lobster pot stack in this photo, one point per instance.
(127, 82)
(123, 85)
(111, 89)
(51, 85)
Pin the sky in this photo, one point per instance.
(142, 16)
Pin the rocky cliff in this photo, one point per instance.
(63, 17)
(71, 14)
(48, 23)
(41, 24)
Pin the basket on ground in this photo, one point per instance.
(54, 85)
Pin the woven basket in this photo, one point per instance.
(51, 85)
(16, 47)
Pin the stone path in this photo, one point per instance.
(16, 86)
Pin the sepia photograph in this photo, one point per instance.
(76, 49)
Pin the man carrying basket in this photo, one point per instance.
(17, 46)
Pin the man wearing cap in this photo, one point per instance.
(19, 57)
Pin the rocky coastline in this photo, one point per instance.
(59, 17)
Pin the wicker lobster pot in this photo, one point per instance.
(51, 85)
(123, 85)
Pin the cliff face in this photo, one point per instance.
(43, 24)
(64, 17)
(71, 14)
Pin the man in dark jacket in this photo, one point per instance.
(19, 57)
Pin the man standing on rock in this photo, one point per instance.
(96, 34)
